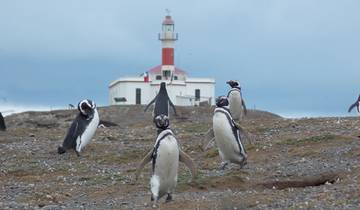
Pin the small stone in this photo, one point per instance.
(49, 197)
(51, 207)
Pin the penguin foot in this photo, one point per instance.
(61, 150)
(168, 198)
(223, 165)
(243, 163)
(154, 200)
(77, 153)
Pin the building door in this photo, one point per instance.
(138, 96)
(197, 94)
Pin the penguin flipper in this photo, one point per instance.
(144, 161)
(208, 144)
(75, 130)
(352, 106)
(151, 102)
(183, 157)
(172, 105)
(209, 137)
(70, 139)
(244, 106)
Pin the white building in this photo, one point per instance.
(182, 90)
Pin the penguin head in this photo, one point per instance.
(222, 101)
(162, 121)
(86, 107)
(162, 87)
(233, 83)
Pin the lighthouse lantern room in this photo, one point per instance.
(182, 90)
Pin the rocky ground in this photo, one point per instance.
(293, 164)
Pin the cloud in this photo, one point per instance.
(296, 52)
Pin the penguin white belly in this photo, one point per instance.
(235, 105)
(89, 132)
(225, 139)
(164, 178)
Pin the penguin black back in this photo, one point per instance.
(162, 102)
(77, 128)
(2, 123)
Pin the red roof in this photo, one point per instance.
(168, 20)
(157, 70)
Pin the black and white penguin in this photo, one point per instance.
(162, 102)
(236, 102)
(2, 123)
(356, 104)
(227, 135)
(165, 157)
(82, 129)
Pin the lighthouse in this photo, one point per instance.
(182, 89)
(168, 38)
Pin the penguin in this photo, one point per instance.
(2, 123)
(356, 104)
(165, 157)
(227, 135)
(82, 129)
(236, 102)
(162, 102)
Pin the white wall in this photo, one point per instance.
(179, 94)
(206, 90)
(128, 90)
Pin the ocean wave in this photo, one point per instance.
(9, 109)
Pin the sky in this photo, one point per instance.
(295, 58)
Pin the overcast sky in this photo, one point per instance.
(291, 57)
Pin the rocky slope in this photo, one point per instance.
(303, 163)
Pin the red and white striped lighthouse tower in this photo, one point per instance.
(168, 38)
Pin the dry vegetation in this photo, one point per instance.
(293, 164)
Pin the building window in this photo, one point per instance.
(168, 28)
(166, 73)
(175, 78)
(158, 77)
(120, 99)
(138, 96)
(197, 94)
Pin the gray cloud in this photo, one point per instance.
(289, 55)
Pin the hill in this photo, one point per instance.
(293, 163)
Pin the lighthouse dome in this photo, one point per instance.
(157, 70)
(156, 73)
(168, 20)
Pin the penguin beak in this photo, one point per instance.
(90, 111)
